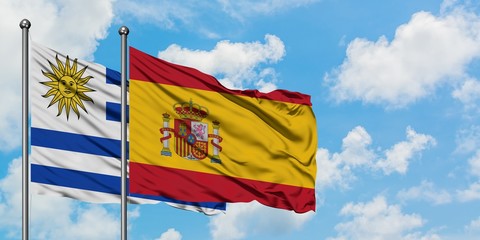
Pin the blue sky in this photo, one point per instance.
(395, 89)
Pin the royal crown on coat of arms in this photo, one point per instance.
(190, 133)
(190, 110)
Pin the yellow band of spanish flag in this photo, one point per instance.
(184, 121)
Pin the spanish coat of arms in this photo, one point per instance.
(190, 133)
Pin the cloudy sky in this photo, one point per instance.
(395, 88)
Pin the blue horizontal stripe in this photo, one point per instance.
(114, 112)
(113, 77)
(75, 179)
(98, 183)
(76, 142)
(212, 205)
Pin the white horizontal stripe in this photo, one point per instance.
(206, 211)
(83, 195)
(76, 161)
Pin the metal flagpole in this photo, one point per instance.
(123, 31)
(25, 25)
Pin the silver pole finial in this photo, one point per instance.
(123, 30)
(25, 24)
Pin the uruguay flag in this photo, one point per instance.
(75, 132)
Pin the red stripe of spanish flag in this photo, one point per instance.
(172, 182)
(226, 145)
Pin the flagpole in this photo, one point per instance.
(25, 26)
(123, 31)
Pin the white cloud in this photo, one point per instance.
(448, 5)
(337, 168)
(411, 66)
(473, 226)
(73, 27)
(244, 219)
(11, 196)
(468, 93)
(90, 222)
(425, 191)
(202, 16)
(134, 213)
(238, 63)
(471, 231)
(470, 194)
(420, 236)
(378, 220)
(474, 163)
(169, 13)
(331, 171)
(357, 152)
(164, 13)
(52, 217)
(170, 234)
(468, 140)
(398, 157)
(243, 9)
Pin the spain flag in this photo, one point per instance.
(192, 139)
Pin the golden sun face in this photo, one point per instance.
(67, 86)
